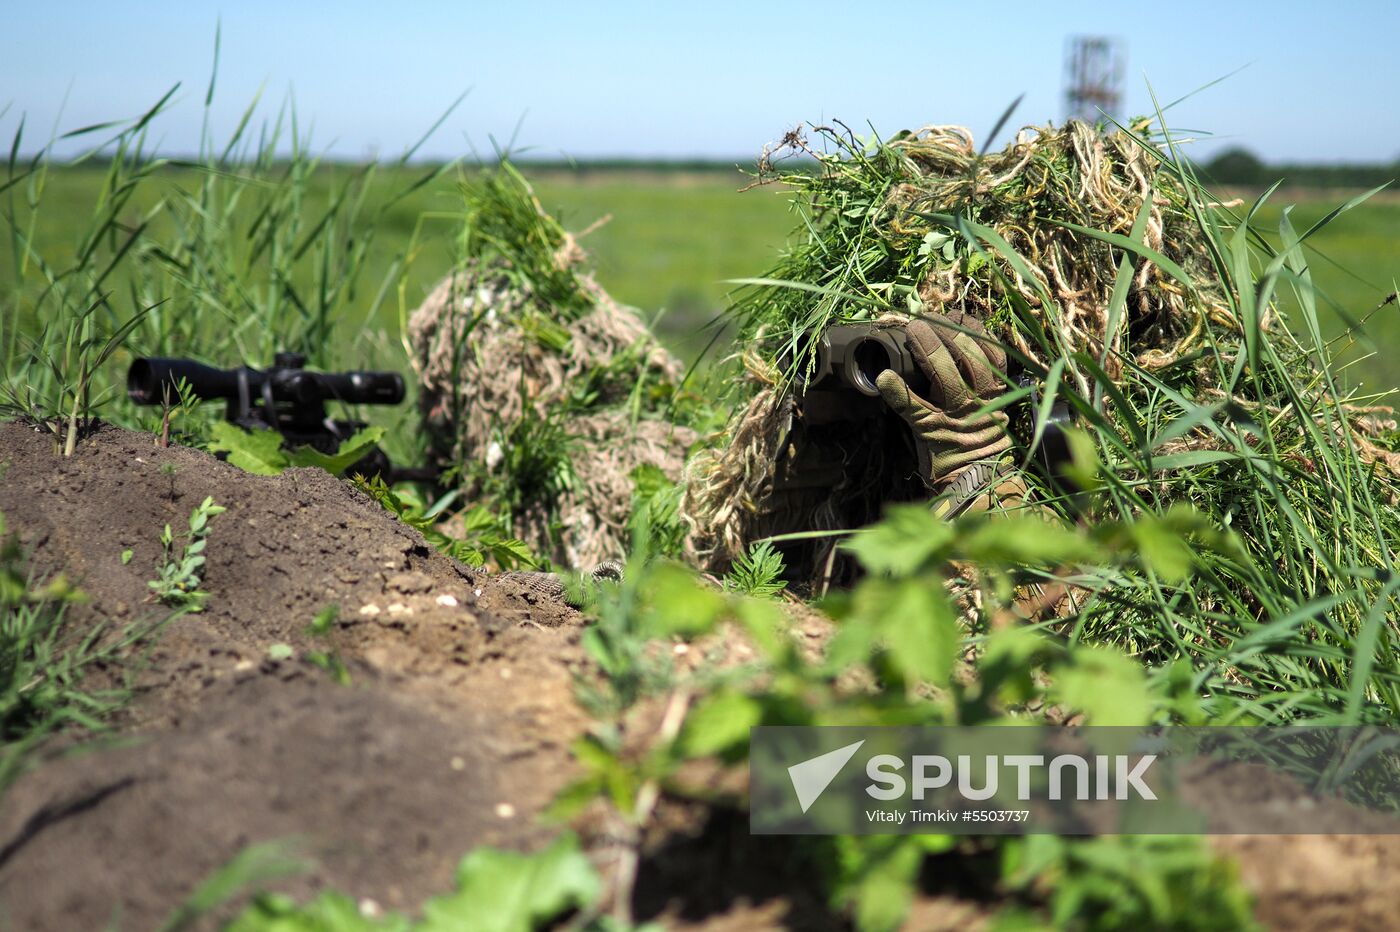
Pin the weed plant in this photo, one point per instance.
(178, 576)
(43, 659)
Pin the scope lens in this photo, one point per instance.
(140, 386)
(868, 359)
(384, 388)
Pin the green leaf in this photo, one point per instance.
(329, 912)
(679, 604)
(280, 651)
(885, 887)
(331, 663)
(1106, 685)
(258, 451)
(720, 721)
(910, 537)
(1162, 549)
(765, 623)
(757, 572)
(126, 557)
(350, 452)
(324, 620)
(1083, 468)
(503, 891)
(915, 622)
(1022, 541)
(250, 869)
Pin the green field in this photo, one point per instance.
(664, 242)
(1356, 264)
(669, 241)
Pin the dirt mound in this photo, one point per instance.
(363, 779)
(453, 732)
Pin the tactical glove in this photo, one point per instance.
(963, 373)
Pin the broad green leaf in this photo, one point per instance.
(1162, 549)
(349, 453)
(258, 451)
(765, 622)
(1106, 685)
(1083, 468)
(720, 721)
(915, 622)
(908, 538)
(503, 891)
(679, 603)
(850, 645)
(885, 887)
(1014, 541)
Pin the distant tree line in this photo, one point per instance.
(1239, 166)
(1236, 166)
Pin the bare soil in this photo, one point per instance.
(454, 731)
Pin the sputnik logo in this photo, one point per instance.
(811, 777)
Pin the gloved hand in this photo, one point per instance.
(962, 372)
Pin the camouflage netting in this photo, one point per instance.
(538, 391)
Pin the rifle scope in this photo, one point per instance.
(857, 354)
(151, 380)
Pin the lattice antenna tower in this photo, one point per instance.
(1093, 77)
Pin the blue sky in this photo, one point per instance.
(1320, 82)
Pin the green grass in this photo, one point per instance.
(1356, 265)
(1242, 446)
(671, 243)
(675, 238)
(43, 659)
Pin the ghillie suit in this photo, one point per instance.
(888, 248)
(1114, 285)
(539, 392)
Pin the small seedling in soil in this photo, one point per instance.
(126, 557)
(177, 584)
(329, 661)
(280, 652)
(186, 402)
(168, 471)
(323, 622)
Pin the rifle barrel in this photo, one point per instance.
(150, 380)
